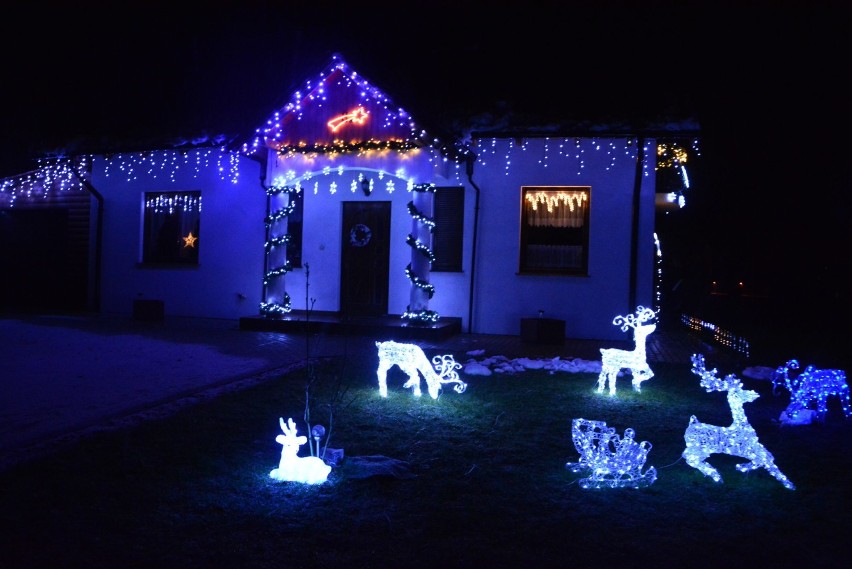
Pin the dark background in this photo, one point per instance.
(769, 203)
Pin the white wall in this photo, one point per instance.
(323, 211)
(230, 245)
(501, 296)
(587, 303)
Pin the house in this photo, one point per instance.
(341, 204)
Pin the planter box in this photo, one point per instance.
(543, 330)
(149, 310)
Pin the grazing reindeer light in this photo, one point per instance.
(810, 389)
(411, 360)
(614, 360)
(294, 468)
(740, 439)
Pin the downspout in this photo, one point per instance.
(470, 159)
(263, 172)
(634, 241)
(99, 234)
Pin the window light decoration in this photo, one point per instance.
(810, 390)
(413, 362)
(635, 362)
(295, 468)
(612, 461)
(738, 439)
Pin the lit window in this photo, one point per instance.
(172, 227)
(554, 230)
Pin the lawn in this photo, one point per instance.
(480, 481)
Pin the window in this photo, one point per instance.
(172, 231)
(449, 225)
(555, 230)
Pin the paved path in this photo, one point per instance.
(64, 376)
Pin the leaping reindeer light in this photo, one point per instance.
(614, 360)
(739, 439)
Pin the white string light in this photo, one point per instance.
(413, 362)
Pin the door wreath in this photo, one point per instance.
(359, 235)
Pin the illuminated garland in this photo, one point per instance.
(274, 273)
(423, 315)
(420, 247)
(413, 212)
(341, 147)
(418, 282)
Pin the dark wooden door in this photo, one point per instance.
(365, 258)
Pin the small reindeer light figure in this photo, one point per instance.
(739, 439)
(294, 468)
(614, 360)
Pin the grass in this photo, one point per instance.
(489, 485)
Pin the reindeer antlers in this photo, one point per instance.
(641, 316)
(709, 379)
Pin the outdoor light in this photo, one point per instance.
(613, 461)
(294, 468)
(810, 389)
(614, 360)
(411, 360)
(739, 439)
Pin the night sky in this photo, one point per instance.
(766, 81)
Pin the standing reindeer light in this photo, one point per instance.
(739, 439)
(614, 360)
(295, 468)
(810, 391)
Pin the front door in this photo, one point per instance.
(365, 258)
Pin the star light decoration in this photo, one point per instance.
(613, 461)
(189, 240)
(295, 468)
(738, 439)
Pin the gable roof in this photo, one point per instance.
(339, 110)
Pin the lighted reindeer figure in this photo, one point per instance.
(614, 360)
(739, 439)
(411, 360)
(811, 388)
(295, 468)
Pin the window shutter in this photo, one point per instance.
(449, 229)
